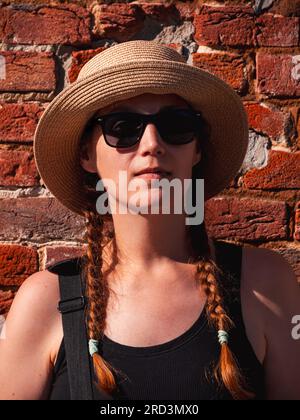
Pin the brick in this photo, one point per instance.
(187, 10)
(225, 26)
(38, 219)
(54, 254)
(118, 21)
(270, 121)
(17, 168)
(16, 264)
(27, 71)
(64, 25)
(286, 7)
(79, 58)
(281, 172)
(6, 299)
(277, 31)
(18, 121)
(278, 74)
(297, 222)
(246, 219)
(228, 66)
(166, 13)
(295, 113)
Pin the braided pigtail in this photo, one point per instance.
(227, 369)
(97, 293)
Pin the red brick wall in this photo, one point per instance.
(257, 52)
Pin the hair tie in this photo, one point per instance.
(223, 337)
(93, 346)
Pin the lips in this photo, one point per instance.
(149, 171)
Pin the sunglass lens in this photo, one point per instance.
(123, 131)
(177, 126)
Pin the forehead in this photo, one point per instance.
(145, 103)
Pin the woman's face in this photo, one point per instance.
(151, 151)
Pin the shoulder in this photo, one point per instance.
(267, 272)
(273, 296)
(37, 294)
(270, 294)
(35, 305)
(27, 339)
(36, 302)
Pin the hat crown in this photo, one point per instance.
(130, 51)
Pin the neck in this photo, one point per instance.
(152, 248)
(147, 240)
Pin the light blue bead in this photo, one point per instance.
(223, 337)
(93, 346)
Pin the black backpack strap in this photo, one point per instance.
(72, 306)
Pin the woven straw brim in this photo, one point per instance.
(60, 127)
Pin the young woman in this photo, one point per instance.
(170, 313)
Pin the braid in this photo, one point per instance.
(97, 292)
(227, 369)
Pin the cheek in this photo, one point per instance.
(110, 161)
(184, 160)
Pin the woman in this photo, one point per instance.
(170, 314)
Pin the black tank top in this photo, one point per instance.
(179, 369)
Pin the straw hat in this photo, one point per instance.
(121, 72)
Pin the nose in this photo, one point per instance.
(151, 142)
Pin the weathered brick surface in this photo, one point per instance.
(246, 219)
(165, 13)
(16, 264)
(237, 26)
(228, 66)
(54, 254)
(18, 121)
(278, 74)
(297, 222)
(67, 24)
(119, 21)
(27, 71)
(6, 299)
(277, 31)
(295, 113)
(286, 8)
(187, 10)
(264, 119)
(281, 172)
(79, 58)
(232, 26)
(38, 219)
(17, 168)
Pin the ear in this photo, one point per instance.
(197, 157)
(88, 157)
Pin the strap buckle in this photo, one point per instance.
(71, 305)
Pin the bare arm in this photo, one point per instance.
(278, 294)
(25, 344)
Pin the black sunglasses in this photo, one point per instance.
(125, 129)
